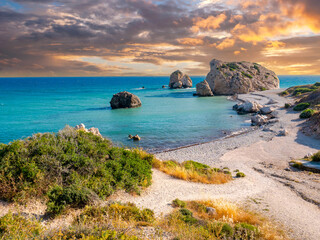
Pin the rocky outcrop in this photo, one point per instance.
(180, 80)
(94, 131)
(203, 89)
(227, 78)
(247, 107)
(125, 100)
(258, 120)
(266, 110)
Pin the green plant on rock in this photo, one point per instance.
(307, 113)
(246, 75)
(284, 93)
(300, 91)
(301, 106)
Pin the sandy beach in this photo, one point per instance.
(271, 187)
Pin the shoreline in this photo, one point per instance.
(287, 196)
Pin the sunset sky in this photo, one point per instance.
(154, 37)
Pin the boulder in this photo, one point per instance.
(266, 110)
(283, 132)
(125, 100)
(247, 107)
(211, 211)
(80, 126)
(227, 78)
(179, 80)
(272, 101)
(136, 138)
(258, 120)
(203, 89)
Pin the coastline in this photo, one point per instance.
(271, 187)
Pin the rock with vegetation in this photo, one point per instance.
(227, 78)
(301, 106)
(203, 89)
(125, 100)
(72, 168)
(307, 113)
(247, 107)
(180, 80)
(94, 131)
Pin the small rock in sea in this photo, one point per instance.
(136, 138)
(203, 89)
(130, 136)
(179, 80)
(211, 211)
(163, 86)
(258, 120)
(142, 87)
(283, 132)
(125, 100)
(266, 110)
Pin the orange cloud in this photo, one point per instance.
(191, 41)
(236, 52)
(212, 22)
(226, 43)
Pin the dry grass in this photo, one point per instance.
(193, 175)
(231, 213)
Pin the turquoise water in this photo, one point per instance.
(167, 118)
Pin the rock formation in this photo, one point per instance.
(227, 78)
(125, 100)
(94, 131)
(258, 120)
(179, 80)
(203, 89)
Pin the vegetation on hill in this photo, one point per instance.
(71, 168)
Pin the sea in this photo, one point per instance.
(168, 118)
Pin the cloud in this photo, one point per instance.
(126, 37)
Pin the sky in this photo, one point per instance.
(156, 37)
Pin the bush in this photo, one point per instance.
(240, 174)
(316, 157)
(284, 93)
(178, 203)
(317, 84)
(187, 216)
(287, 105)
(71, 168)
(301, 106)
(263, 89)
(306, 113)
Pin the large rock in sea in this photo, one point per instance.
(228, 78)
(125, 100)
(180, 80)
(203, 89)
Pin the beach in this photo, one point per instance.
(271, 187)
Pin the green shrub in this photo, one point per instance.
(178, 203)
(195, 165)
(284, 93)
(18, 227)
(307, 113)
(232, 66)
(245, 231)
(301, 106)
(263, 89)
(257, 68)
(187, 216)
(287, 105)
(240, 174)
(317, 84)
(70, 168)
(316, 157)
